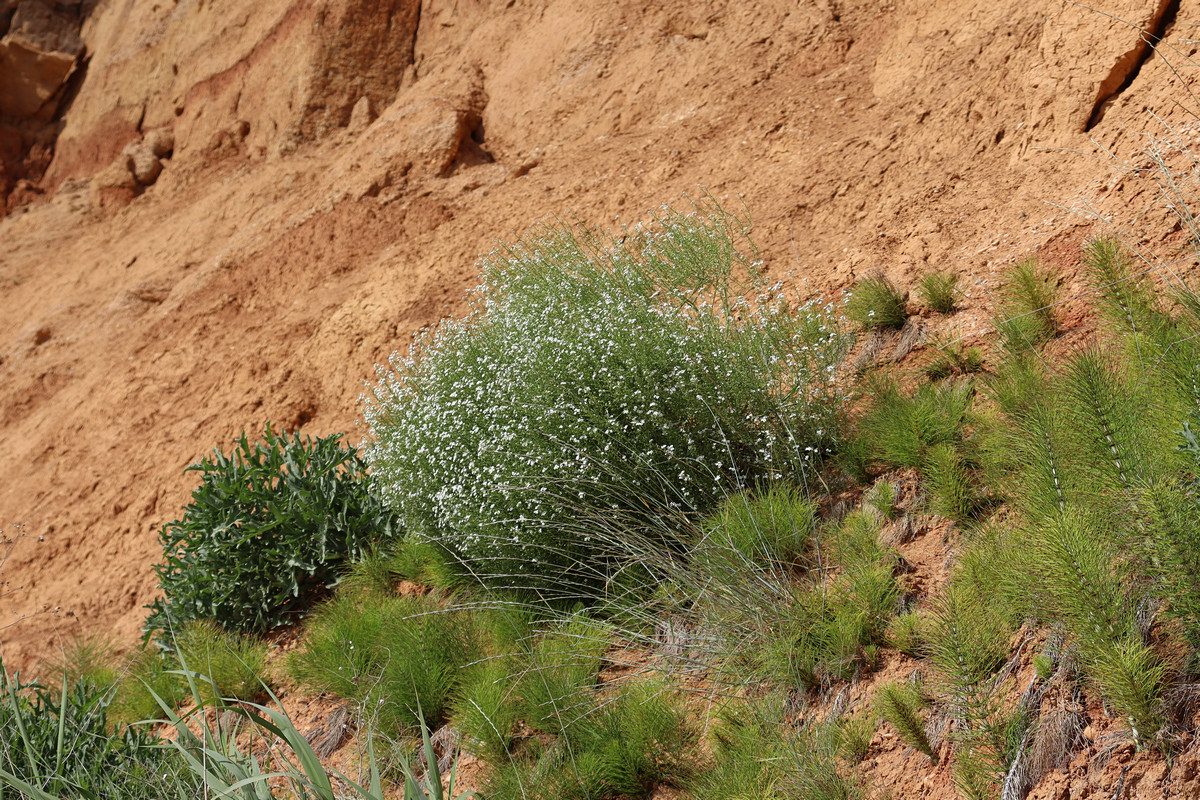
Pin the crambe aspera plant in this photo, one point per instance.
(270, 525)
(647, 376)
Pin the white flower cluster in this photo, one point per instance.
(589, 381)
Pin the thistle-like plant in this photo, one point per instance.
(270, 527)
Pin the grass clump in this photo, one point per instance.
(906, 632)
(148, 676)
(898, 429)
(64, 745)
(948, 362)
(390, 655)
(951, 492)
(900, 704)
(831, 628)
(268, 529)
(876, 303)
(967, 644)
(768, 530)
(855, 732)
(640, 378)
(939, 291)
(760, 754)
(563, 667)
(1027, 315)
(622, 746)
(232, 663)
(486, 710)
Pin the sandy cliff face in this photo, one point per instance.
(240, 208)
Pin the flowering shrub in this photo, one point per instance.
(596, 379)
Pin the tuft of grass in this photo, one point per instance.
(906, 632)
(899, 429)
(876, 303)
(622, 747)
(89, 659)
(1171, 511)
(1126, 299)
(1027, 315)
(1043, 666)
(760, 755)
(563, 666)
(64, 745)
(939, 291)
(1080, 586)
(486, 710)
(148, 675)
(948, 362)
(900, 704)
(770, 530)
(880, 500)
(389, 655)
(951, 492)
(234, 663)
(830, 630)
(811, 770)
(855, 732)
(967, 643)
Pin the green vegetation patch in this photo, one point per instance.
(595, 379)
(268, 529)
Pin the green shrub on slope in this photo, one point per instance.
(625, 378)
(270, 525)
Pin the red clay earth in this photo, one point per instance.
(221, 213)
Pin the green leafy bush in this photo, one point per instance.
(638, 378)
(269, 528)
(876, 303)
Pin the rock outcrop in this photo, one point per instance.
(39, 50)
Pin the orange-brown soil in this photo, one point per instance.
(228, 212)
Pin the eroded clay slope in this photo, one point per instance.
(251, 204)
